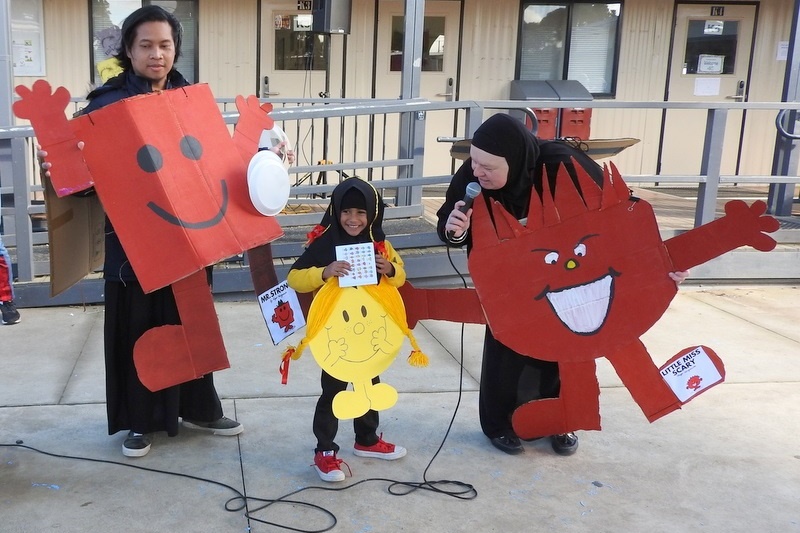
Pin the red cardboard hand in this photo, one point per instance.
(56, 135)
(253, 119)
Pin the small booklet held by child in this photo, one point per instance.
(362, 262)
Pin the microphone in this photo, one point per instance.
(473, 190)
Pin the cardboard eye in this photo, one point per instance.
(149, 158)
(191, 148)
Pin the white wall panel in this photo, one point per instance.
(228, 42)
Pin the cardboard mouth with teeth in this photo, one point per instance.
(583, 308)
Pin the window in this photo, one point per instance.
(296, 47)
(107, 17)
(570, 41)
(432, 44)
(711, 47)
(27, 38)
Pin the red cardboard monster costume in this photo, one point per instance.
(584, 276)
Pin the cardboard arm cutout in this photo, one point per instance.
(55, 134)
(454, 305)
(741, 226)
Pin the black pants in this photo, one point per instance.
(508, 380)
(129, 313)
(326, 424)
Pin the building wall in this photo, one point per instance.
(360, 51)
(227, 45)
(489, 49)
(645, 48)
(230, 37)
(642, 73)
(766, 84)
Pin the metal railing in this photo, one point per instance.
(379, 140)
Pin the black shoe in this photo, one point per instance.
(509, 444)
(565, 444)
(10, 313)
(136, 445)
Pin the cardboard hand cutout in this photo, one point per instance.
(173, 183)
(585, 278)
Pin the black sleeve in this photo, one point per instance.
(455, 192)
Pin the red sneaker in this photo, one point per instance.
(380, 450)
(327, 466)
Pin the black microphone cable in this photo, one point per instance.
(238, 494)
(241, 501)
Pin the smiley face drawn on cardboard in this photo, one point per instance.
(175, 190)
(354, 338)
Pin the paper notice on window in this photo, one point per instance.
(706, 86)
(782, 53)
(714, 27)
(709, 64)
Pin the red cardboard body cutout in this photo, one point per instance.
(585, 278)
(175, 189)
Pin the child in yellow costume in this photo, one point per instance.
(351, 328)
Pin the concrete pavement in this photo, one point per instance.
(729, 461)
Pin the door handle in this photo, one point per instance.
(739, 96)
(448, 88)
(265, 88)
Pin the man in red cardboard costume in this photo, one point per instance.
(173, 185)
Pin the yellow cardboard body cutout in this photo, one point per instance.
(354, 335)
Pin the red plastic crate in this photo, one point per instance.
(548, 121)
(575, 122)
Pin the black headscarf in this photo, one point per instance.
(507, 137)
(321, 250)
